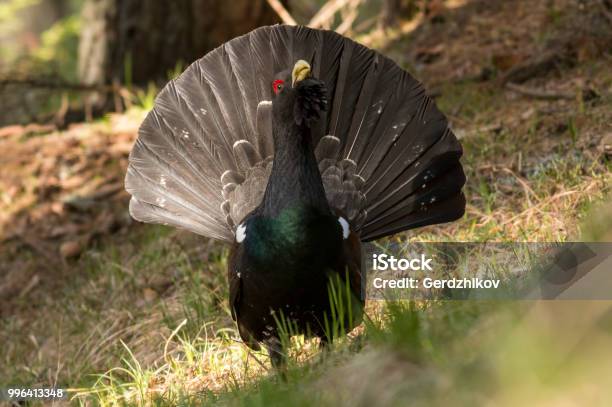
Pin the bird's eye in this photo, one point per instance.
(277, 85)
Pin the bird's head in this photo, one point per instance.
(298, 96)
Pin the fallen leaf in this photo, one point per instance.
(504, 62)
(79, 203)
(606, 145)
(105, 222)
(57, 208)
(29, 286)
(428, 55)
(11, 131)
(73, 182)
(528, 113)
(62, 230)
(149, 294)
(70, 249)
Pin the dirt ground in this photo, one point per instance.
(61, 191)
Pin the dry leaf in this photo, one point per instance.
(149, 294)
(70, 249)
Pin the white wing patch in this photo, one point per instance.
(345, 227)
(240, 233)
(237, 143)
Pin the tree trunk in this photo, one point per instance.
(136, 41)
(393, 10)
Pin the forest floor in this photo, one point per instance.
(121, 312)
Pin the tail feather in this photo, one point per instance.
(203, 154)
(326, 66)
(446, 211)
(418, 185)
(281, 47)
(417, 158)
(241, 62)
(259, 41)
(165, 162)
(189, 140)
(365, 115)
(161, 180)
(148, 213)
(398, 128)
(421, 197)
(198, 91)
(218, 74)
(350, 85)
(264, 129)
(305, 44)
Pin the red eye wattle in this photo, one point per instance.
(277, 85)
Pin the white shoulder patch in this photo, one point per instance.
(345, 227)
(240, 233)
(237, 143)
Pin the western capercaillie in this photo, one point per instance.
(294, 145)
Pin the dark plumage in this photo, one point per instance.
(294, 243)
(294, 168)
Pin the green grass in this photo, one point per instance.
(423, 335)
(115, 297)
(417, 354)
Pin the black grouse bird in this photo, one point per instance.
(294, 145)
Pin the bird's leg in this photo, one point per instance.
(277, 355)
(324, 348)
(324, 343)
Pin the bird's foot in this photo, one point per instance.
(278, 359)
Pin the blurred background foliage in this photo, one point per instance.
(63, 61)
(40, 36)
(39, 41)
(58, 47)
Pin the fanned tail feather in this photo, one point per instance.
(387, 158)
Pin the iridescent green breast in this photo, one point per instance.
(298, 236)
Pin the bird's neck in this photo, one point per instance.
(295, 179)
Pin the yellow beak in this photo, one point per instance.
(301, 71)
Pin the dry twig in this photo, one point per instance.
(282, 12)
(351, 16)
(537, 65)
(540, 93)
(326, 13)
(604, 11)
(57, 84)
(526, 188)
